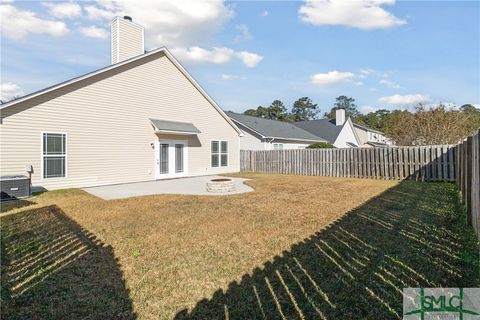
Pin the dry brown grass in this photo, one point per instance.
(176, 250)
(181, 254)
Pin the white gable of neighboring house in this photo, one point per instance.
(251, 140)
(369, 135)
(347, 136)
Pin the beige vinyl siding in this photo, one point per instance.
(106, 119)
(130, 39)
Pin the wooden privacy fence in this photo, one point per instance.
(425, 163)
(468, 178)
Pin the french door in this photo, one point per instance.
(170, 158)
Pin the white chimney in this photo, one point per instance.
(339, 117)
(127, 39)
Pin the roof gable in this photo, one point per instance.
(324, 128)
(163, 50)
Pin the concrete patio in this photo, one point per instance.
(186, 186)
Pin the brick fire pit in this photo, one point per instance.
(220, 185)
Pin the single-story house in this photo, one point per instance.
(339, 131)
(267, 134)
(370, 137)
(141, 118)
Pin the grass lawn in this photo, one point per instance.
(297, 247)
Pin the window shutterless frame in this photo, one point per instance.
(43, 156)
(219, 153)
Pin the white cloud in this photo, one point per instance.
(390, 84)
(168, 23)
(367, 109)
(232, 77)
(94, 32)
(63, 9)
(362, 14)
(244, 33)
(180, 26)
(404, 99)
(21, 23)
(265, 13)
(359, 83)
(331, 78)
(200, 55)
(366, 72)
(10, 90)
(95, 13)
(218, 55)
(249, 59)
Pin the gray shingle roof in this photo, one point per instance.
(165, 125)
(273, 128)
(324, 128)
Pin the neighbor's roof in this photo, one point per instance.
(273, 128)
(324, 128)
(117, 65)
(174, 126)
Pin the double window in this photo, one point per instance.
(219, 153)
(278, 146)
(54, 155)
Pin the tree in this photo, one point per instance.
(428, 125)
(320, 145)
(346, 103)
(259, 112)
(277, 111)
(377, 120)
(472, 116)
(304, 109)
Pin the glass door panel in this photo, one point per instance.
(163, 159)
(178, 158)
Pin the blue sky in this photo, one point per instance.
(385, 54)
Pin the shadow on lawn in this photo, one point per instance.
(412, 235)
(54, 269)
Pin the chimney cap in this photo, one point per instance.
(128, 18)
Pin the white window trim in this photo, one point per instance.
(220, 153)
(42, 155)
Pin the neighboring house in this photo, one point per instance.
(266, 134)
(370, 137)
(339, 131)
(141, 118)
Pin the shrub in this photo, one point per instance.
(320, 145)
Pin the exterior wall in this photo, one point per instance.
(287, 144)
(370, 136)
(251, 140)
(109, 135)
(127, 40)
(362, 135)
(346, 135)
